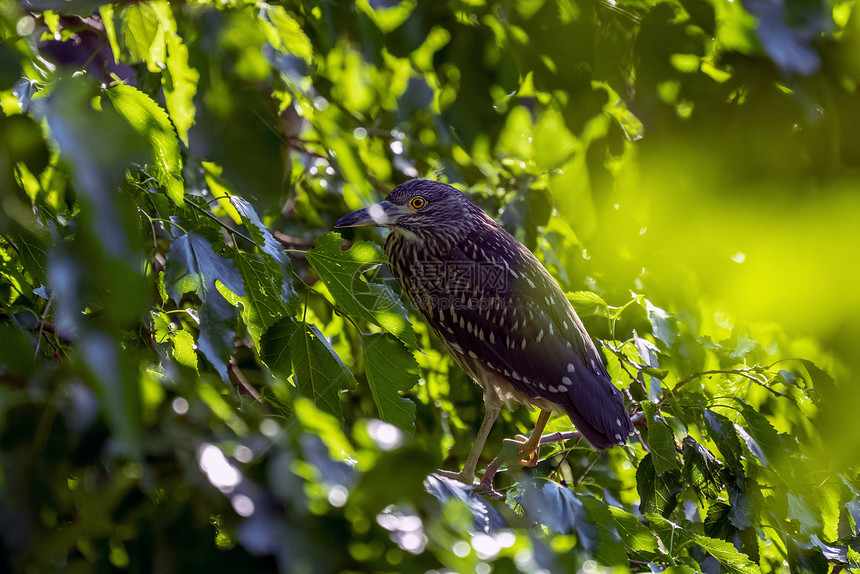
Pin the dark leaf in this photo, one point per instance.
(560, 510)
(663, 325)
(193, 265)
(722, 432)
(486, 518)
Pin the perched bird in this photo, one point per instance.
(501, 315)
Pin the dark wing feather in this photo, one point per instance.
(509, 316)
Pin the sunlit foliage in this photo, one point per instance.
(195, 375)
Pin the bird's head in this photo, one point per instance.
(421, 207)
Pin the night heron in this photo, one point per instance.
(501, 315)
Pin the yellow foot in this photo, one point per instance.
(530, 453)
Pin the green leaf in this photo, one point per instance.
(286, 34)
(150, 121)
(183, 349)
(275, 347)
(610, 550)
(289, 347)
(701, 468)
(727, 555)
(318, 371)
(635, 535)
(136, 36)
(179, 79)
(391, 368)
(389, 16)
(267, 276)
(588, 303)
(657, 493)
(263, 304)
(762, 431)
(673, 536)
(805, 513)
(661, 440)
(341, 271)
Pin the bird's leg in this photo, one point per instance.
(492, 408)
(531, 448)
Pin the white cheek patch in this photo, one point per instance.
(377, 214)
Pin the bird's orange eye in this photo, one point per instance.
(418, 202)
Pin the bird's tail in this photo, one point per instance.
(603, 421)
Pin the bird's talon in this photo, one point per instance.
(532, 459)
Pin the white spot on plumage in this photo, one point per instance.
(473, 355)
(617, 436)
(571, 368)
(523, 344)
(457, 348)
(593, 365)
(550, 328)
(564, 324)
(552, 389)
(539, 337)
(462, 323)
(618, 422)
(532, 283)
(492, 338)
(516, 376)
(543, 388)
(507, 374)
(566, 381)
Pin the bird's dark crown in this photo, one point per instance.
(443, 204)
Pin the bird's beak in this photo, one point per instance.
(382, 214)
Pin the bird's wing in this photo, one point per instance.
(511, 317)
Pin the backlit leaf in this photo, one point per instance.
(150, 121)
(390, 368)
(341, 271)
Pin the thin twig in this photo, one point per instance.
(594, 459)
(42, 325)
(236, 373)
